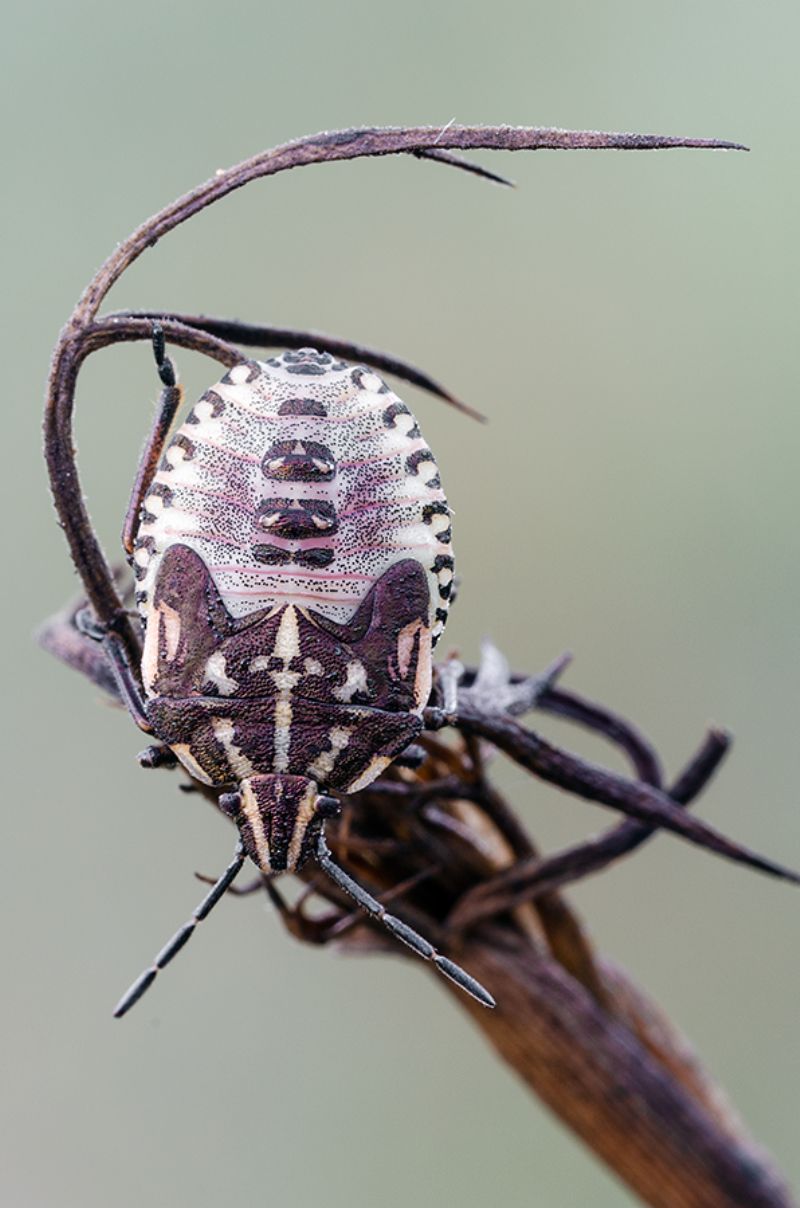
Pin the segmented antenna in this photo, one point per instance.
(398, 928)
(181, 937)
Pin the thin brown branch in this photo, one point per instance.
(594, 783)
(257, 335)
(536, 876)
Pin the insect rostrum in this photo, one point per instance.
(291, 551)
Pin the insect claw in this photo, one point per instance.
(434, 718)
(89, 626)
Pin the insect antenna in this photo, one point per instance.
(398, 928)
(182, 936)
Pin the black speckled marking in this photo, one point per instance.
(309, 362)
(272, 555)
(415, 460)
(184, 443)
(295, 518)
(161, 488)
(307, 368)
(216, 400)
(303, 406)
(444, 562)
(315, 558)
(315, 463)
(149, 544)
(390, 419)
(434, 509)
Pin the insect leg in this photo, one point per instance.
(168, 404)
(413, 757)
(118, 659)
(181, 937)
(450, 674)
(158, 756)
(398, 928)
(297, 923)
(99, 654)
(236, 891)
(61, 636)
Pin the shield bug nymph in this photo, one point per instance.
(293, 572)
(291, 546)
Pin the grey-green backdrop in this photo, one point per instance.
(629, 323)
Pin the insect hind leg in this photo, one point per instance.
(398, 928)
(66, 640)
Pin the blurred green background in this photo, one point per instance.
(629, 323)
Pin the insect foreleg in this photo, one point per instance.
(157, 757)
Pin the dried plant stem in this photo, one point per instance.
(652, 1116)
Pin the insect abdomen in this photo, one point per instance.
(299, 481)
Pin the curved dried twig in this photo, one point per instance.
(539, 875)
(256, 335)
(594, 783)
(72, 347)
